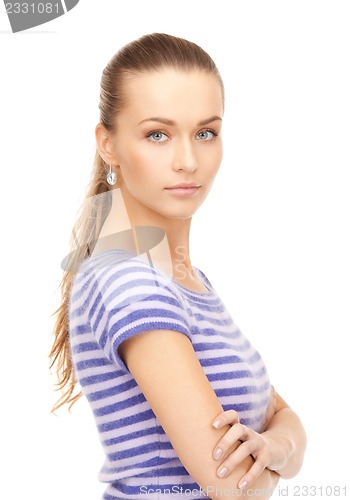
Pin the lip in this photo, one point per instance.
(184, 185)
(184, 189)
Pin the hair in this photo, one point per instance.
(152, 52)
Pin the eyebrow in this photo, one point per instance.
(172, 123)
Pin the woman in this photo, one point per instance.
(153, 347)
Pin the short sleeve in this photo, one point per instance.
(130, 296)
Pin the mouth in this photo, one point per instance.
(183, 189)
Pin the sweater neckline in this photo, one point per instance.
(207, 293)
(196, 292)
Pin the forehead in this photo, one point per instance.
(174, 94)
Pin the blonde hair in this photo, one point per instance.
(149, 53)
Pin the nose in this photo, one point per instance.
(184, 156)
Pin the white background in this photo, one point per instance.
(273, 236)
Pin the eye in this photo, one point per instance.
(157, 136)
(207, 135)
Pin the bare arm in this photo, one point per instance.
(287, 440)
(280, 447)
(171, 378)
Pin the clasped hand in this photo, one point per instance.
(259, 446)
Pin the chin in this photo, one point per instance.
(183, 212)
(182, 217)
(176, 214)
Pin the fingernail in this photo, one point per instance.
(242, 485)
(218, 453)
(222, 472)
(218, 423)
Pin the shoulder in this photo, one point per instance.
(127, 287)
(118, 267)
(127, 297)
(124, 275)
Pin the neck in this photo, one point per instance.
(175, 245)
(178, 233)
(176, 230)
(176, 240)
(172, 254)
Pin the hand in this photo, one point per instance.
(252, 443)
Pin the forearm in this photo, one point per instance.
(287, 439)
(217, 487)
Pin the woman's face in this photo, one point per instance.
(169, 134)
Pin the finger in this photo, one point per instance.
(240, 454)
(236, 433)
(226, 417)
(252, 475)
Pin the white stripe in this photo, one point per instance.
(96, 370)
(147, 322)
(146, 424)
(121, 414)
(80, 338)
(88, 355)
(102, 386)
(110, 400)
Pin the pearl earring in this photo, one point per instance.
(111, 176)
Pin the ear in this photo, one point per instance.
(105, 144)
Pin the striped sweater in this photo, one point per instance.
(116, 295)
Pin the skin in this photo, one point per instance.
(170, 132)
(185, 152)
(280, 447)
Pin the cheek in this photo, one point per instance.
(134, 162)
(212, 159)
(146, 160)
(219, 159)
(143, 164)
